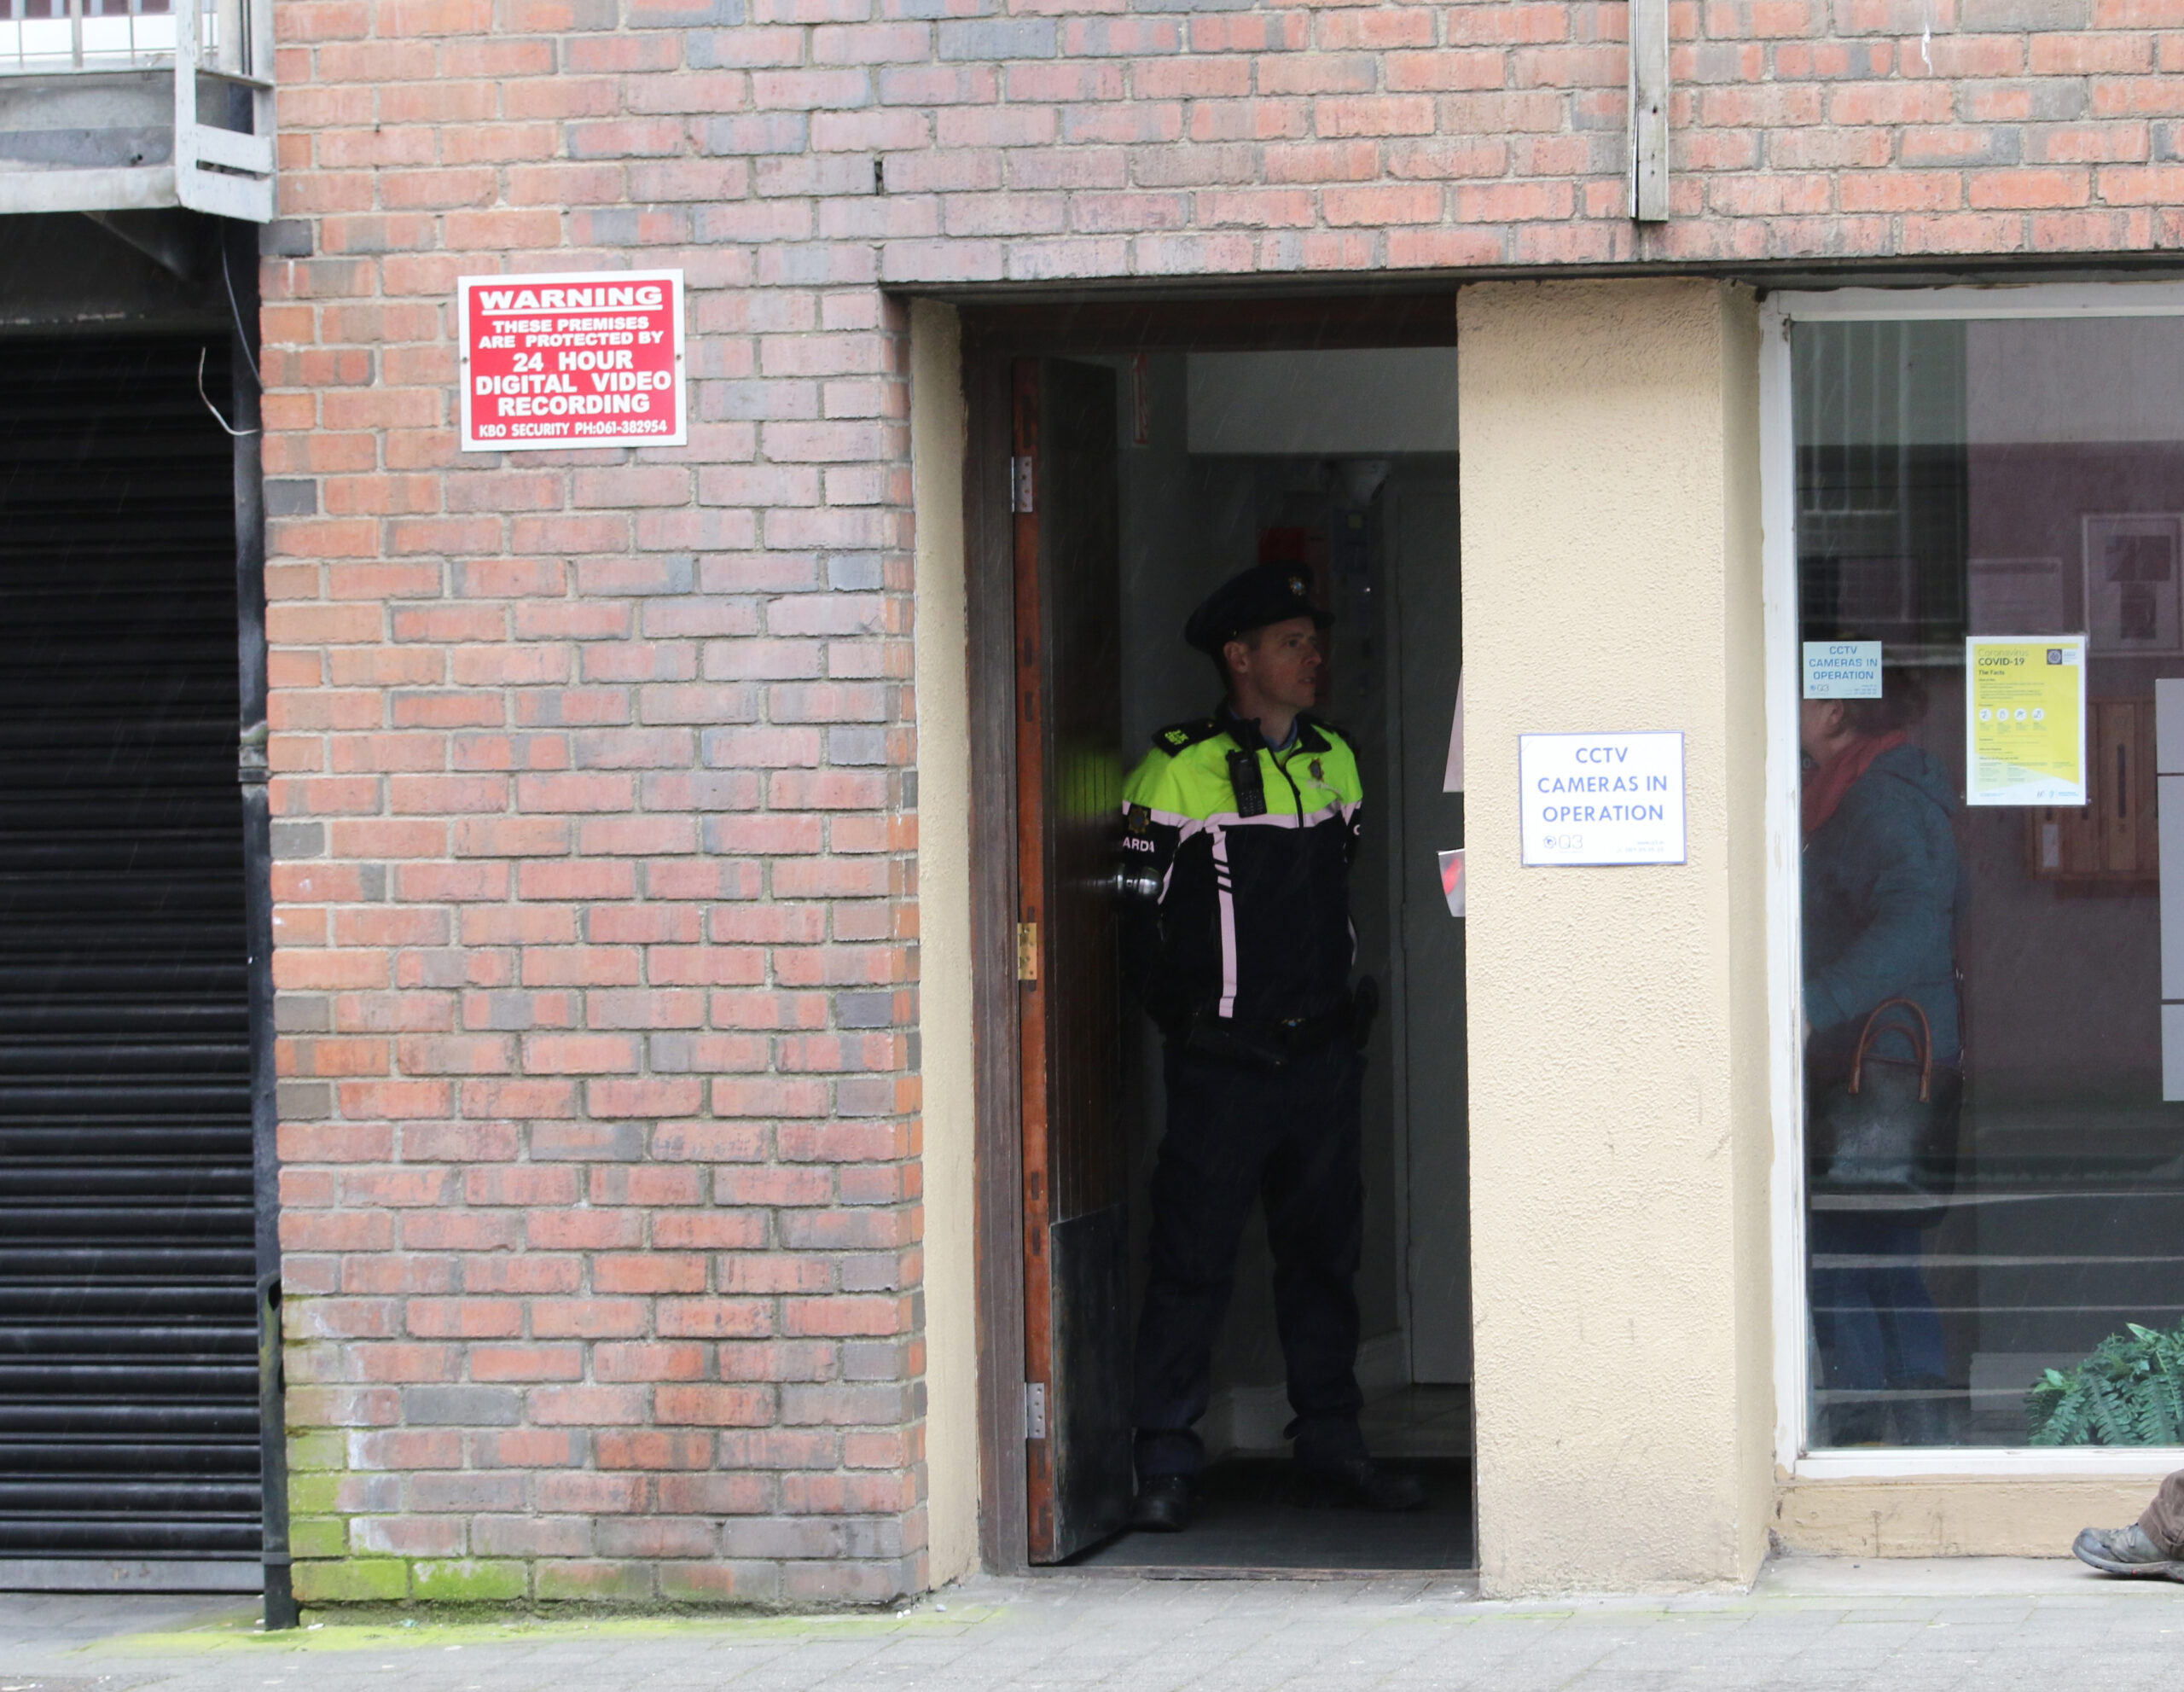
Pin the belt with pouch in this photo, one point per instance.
(1268, 1043)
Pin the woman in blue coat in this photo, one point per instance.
(1883, 885)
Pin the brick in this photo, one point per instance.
(2153, 185)
(1901, 191)
(1337, 117)
(2029, 188)
(714, 1406)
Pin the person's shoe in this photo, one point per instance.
(1359, 1483)
(2126, 1551)
(1163, 1505)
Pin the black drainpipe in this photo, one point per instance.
(239, 276)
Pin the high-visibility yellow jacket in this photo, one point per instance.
(1247, 851)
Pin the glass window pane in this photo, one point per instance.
(1982, 888)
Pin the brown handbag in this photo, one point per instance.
(1883, 1139)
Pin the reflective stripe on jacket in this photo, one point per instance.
(1253, 920)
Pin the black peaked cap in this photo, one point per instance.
(1264, 594)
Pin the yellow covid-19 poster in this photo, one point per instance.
(2024, 720)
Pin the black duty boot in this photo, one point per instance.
(2126, 1551)
(1163, 1505)
(1361, 1484)
(1862, 1422)
(1926, 1411)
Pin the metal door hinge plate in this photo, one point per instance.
(1035, 1410)
(1027, 951)
(1020, 485)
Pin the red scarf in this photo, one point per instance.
(1826, 786)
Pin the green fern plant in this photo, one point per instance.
(2129, 1391)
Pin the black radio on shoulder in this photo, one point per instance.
(1249, 782)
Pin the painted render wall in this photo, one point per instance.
(1619, 1132)
(1999, 1515)
(949, 1122)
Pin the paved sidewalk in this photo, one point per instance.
(1921, 1626)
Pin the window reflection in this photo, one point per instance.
(2005, 480)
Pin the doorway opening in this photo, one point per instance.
(131, 1425)
(1124, 464)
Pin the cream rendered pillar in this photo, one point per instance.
(1620, 1143)
(948, 1120)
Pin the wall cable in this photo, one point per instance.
(237, 434)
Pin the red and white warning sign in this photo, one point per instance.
(593, 359)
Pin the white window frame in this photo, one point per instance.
(1778, 506)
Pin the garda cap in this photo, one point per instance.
(1264, 594)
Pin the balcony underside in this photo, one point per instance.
(104, 141)
(141, 188)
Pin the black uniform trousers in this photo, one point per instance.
(1289, 1137)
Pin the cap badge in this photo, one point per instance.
(1297, 587)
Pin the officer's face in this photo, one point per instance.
(1282, 663)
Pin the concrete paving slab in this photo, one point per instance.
(1812, 1625)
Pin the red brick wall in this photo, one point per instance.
(593, 955)
(596, 917)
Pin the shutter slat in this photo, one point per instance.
(128, 1345)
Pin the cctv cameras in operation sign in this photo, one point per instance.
(1602, 799)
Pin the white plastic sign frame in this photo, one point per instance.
(1604, 799)
(567, 369)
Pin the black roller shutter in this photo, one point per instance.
(129, 1379)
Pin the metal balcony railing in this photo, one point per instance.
(88, 123)
(39, 35)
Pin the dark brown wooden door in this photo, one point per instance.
(1069, 768)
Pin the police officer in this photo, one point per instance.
(1239, 831)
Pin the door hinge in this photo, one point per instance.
(1020, 485)
(1027, 951)
(1035, 1410)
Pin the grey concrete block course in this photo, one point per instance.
(462, 1406)
(1809, 1625)
(857, 746)
(984, 38)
